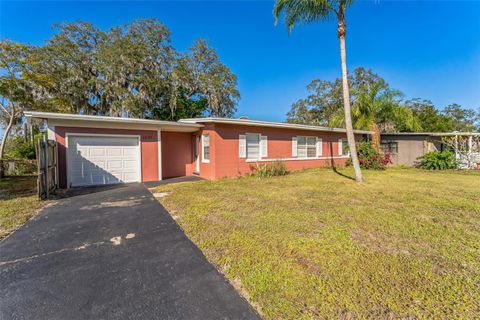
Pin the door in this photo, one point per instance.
(97, 160)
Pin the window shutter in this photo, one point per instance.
(242, 143)
(319, 147)
(294, 146)
(263, 147)
(340, 147)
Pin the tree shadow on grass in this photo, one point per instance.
(334, 167)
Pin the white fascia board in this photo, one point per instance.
(63, 119)
(268, 124)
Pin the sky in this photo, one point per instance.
(426, 49)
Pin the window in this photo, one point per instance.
(389, 147)
(253, 146)
(343, 149)
(205, 148)
(306, 147)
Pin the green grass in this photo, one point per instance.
(316, 245)
(18, 202)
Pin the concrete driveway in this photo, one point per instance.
(112, 254)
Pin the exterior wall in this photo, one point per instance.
(177, 154)
(410, 147)
(224, 149)
(148, 141)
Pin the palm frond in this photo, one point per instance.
(304, 11)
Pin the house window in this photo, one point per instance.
(306, 147)
(253, 146)
(205, 148)
(389, 147)
(343, 149)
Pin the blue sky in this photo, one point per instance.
(427, 49)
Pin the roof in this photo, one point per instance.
(118, 120)
(432, 134)
(257, 123)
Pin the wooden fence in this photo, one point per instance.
(47, 167)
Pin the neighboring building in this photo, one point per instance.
(406, 147)
(96, 150)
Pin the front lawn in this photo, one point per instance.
(316, 245)
(18, 202)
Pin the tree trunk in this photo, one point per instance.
(4, 139)
(376, 137)
(346, 106)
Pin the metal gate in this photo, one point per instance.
(47, 167)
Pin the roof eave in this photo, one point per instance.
(270, 124)
(104, 119)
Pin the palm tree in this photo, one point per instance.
(375, 107)
(298, 11)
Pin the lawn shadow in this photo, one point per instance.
(333, 165)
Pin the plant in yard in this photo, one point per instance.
(370, 158)
(14, 90)
(437, 160)
(297, 11)
(276, 168)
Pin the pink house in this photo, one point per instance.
(95, 150)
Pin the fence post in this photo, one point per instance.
(47, 187)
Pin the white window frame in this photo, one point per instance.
(306, 147)
(340, 147)
(259, 146)
(204, 136)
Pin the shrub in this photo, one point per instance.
(263, 170)
(437, 160)
(18, 148)
(370, 158)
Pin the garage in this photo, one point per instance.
(99, 150)
(102, 159)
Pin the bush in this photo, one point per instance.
(276, 168)
(18, 148)
(370, 158)
(437, 160)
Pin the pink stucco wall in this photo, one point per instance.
(177, 154)
(224, 149)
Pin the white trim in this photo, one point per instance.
(294, 146)
(259, 145)
(298, 159)
(258, 123)
(340, 147)
(203, 136)
(319, 147)
(68, 116)
(242, 146)
(159, 146)
(102, 135)
(263, 146)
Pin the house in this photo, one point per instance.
(95, 150)
(406, 147)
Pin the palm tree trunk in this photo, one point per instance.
(376, 136)
(346, 106)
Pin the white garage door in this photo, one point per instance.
(94, 160)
